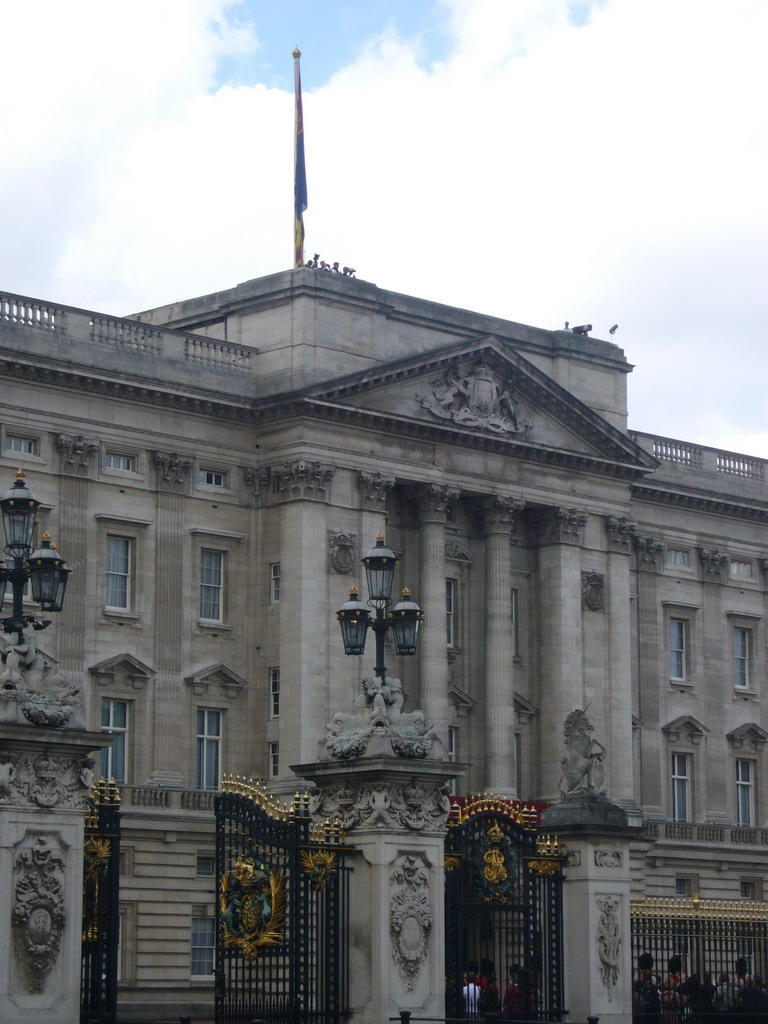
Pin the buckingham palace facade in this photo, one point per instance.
(216, 468)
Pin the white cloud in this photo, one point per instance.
(594, 162)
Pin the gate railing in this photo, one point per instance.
(282, 928)
(685, 936)
(101, 894)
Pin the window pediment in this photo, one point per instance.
(216, 679)
(123, 670)
(687, 728)
(748, 735)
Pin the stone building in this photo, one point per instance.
(213, 471)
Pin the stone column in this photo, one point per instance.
(501, 772)
(649, 564)
(560, 536)
(45, 777)
(433, 502)
(395, 812)
(710, 798)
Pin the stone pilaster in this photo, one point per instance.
(433, 501)
(374, 490)
(710, 799)
(619, 684)
(649, 552)
(501, 772)
(73, 541)
(169, 705)
(560, 533)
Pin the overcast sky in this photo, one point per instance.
(598, 161)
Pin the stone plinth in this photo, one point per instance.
(45, 778)
(596, 891)
(395, 812)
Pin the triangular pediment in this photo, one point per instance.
(217, 679)
(749, 734)
(482, 394)
(122, 670)
(685, 727)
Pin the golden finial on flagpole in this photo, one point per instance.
(296, 53)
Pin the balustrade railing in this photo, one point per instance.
(691, 456)
(31, 313)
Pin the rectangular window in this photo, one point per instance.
(203, 945)
(206, 866)
(513, 613)
(450, 612)
(681, 787)
(274, 581)
(118, 573)
(208, 748)
(741, 644)
(677, 649)
(683, 886)
(211, 584)
(113, 460)
(21, 445)
(677, 556)
(274, 693)
(274, 760)
(745, 793)
(741, 569)
(747, 889)
(212, 478)
(114, 720)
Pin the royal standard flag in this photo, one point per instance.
(300, 173)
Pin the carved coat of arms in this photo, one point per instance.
(481, 398)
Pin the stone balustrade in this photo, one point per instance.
(699, 457)
(161, 799)
(690, 832)
(67, 323)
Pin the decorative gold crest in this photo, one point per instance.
(319, 865)
(252, 907)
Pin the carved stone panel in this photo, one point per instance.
(593, 591)
(38, 913)
(46, 781)
(478, 397)
(608, 858)
(410, 918)
(341, 552)
(417, 807)
(714, 565)
(609, 940)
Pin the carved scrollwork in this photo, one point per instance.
(172, 469)
(561, 525)
(501, 513)
(38, 913)
(608, 858)
(609, 940)
(45, 781)
(433, 501)
(415, 806)
(410, 919)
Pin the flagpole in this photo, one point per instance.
(299, 170)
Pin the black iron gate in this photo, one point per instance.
(281, 951)
(101, 893)
(503, 909)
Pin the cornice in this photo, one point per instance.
(700, 503)
(141, 393)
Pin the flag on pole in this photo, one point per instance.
(300, 173)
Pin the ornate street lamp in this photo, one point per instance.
(44, 569)
(355, 619)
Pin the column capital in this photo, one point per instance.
(173, 471)
(500, 513)
(649, 553)
(76, 452)
(433, 501)
(621, 532)
(303, 478)
(558, 525)
(374, 489)
(714, 565)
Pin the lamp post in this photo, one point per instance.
(44, 568)
(355, 619)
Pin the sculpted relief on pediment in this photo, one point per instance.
(479, 398)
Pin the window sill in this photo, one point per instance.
(207, 626)
(744, 694)
(681, 684)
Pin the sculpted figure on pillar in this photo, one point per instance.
(583, 767)
(379, 725)
(43, 693)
